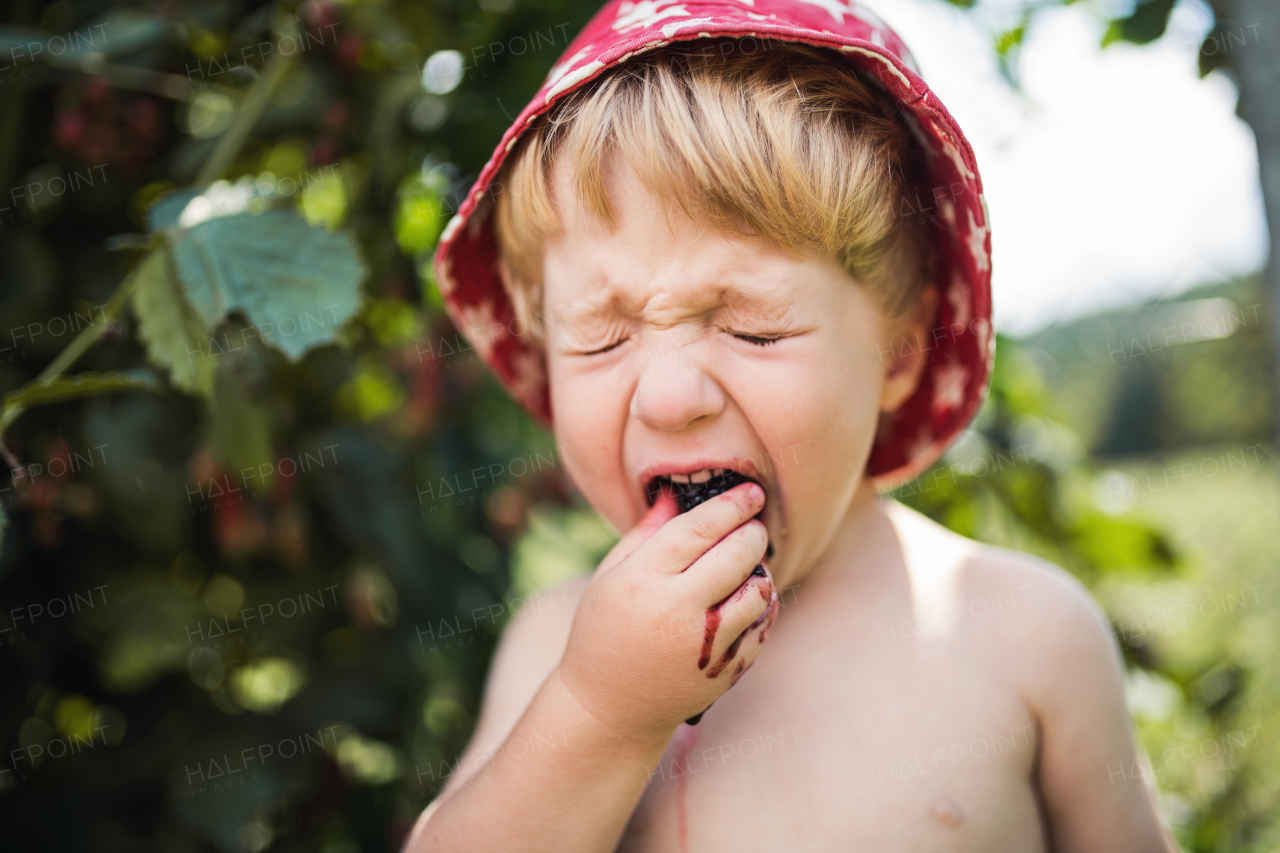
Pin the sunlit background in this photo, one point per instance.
(251, 502)
(1113, 175)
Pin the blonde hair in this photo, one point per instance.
(788, 142)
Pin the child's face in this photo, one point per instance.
(689, 384)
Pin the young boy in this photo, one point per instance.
(741, 247)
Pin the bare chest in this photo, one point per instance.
(857, 732)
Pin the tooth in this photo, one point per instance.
(701, 476)
(717, 472)
(680, 478)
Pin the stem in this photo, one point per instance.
(90, 333)
(68, 356)
(9, 459)
(173, 86)
(246, 118)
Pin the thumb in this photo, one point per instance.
(663, 510)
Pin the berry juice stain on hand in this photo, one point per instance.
(689, 494)
(713, 625)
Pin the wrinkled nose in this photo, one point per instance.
(673, 392)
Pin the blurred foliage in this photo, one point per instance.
(1018, 477)
(1133, 380)
(247, 503)
(1145, 22)
(267, 513)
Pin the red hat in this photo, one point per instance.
(961, 344)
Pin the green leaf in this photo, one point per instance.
(420, 214)
(1146, 24)
(1010, 39)
(372, 392)
(1212, 54)
(1114, 33)
(114, 34)
(1007, 46)
(172, 332)
(165, 212)
(1121, 545)
(297, 283)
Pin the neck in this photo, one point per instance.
(864, 522)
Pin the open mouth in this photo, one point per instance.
(698, 487)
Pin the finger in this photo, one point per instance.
(736, 623)
(687, 537)
(663, 510)
(743, 608)
(752, 642)
(726, 566)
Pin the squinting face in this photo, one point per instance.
(672, 350)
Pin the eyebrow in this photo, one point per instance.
(592, 308)
(765, 303)
(598, 307)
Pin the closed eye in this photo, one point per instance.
(757, 340)
(619, 342)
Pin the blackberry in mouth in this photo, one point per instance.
(689, 494)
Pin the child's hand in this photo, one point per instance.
(673, 615)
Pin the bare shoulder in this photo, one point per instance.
(1036, 626)
(530, 647)
(1039, 615)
